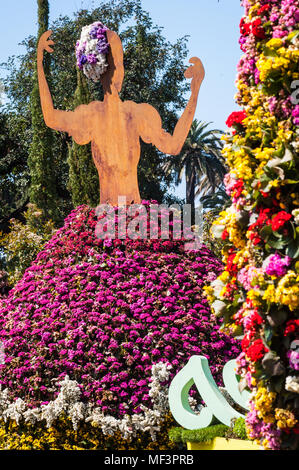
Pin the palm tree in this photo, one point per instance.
(200, 160)
(216, 202)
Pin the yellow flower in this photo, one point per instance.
(264, 401)
(255, 296)
(285, 418)
(287, 291)
(284, 135)
(275, 183)
(241, 257)
(253, 9)
(264, 154)
(270, 294)
(224, 277)
(274, 43)
(266, 65)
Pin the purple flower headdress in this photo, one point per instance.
(92, 50)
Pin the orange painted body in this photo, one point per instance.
(114, 127)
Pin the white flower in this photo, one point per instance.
(32, 416)
(15, 411)
(217, 287)
(295, 213)
(218, 306)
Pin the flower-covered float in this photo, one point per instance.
(258, 292)
(93, 334)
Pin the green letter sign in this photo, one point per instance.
(197, 372)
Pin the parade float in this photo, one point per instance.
(109, 341)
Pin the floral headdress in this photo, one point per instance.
(92, 50)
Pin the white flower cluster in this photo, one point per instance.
(292, 384)
(90, 59)
(218, 305)
(67, 404)
(295, 213)
(159, 393)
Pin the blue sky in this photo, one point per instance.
(213, 28)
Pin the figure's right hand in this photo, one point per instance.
(196, 72)
(45, 43)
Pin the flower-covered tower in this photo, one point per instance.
(258, 292)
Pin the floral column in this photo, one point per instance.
(258, 293)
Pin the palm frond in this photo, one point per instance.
(200, 159)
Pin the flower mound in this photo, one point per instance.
(91, 51)
(103, 313)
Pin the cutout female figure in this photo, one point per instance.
(114, 127)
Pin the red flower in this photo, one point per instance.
(235, 118)
(257, 30)
(263, 218)
(247, 339)
(231, 288)
(280, 219)
(255, 320)
(224, 234)
(255, 238)
(294, 430)
(231, 267)
(245, 27)
(256, 350)
(291, 327)
(238, 188)
(263, 9)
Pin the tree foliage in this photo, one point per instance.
(14, 177)
(23, 242)
(42, 191)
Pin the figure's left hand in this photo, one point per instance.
(45, 42)
(196, 72)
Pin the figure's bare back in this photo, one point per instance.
(115, 144)
(115, 133)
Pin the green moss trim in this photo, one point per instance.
(236, 431)
(239, 429)
(198, 435)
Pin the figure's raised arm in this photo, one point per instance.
(73, 122)
(150, 124)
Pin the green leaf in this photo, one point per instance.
(268, 334)
(278, 383)
(266, 231)
(293, 249)
(293, 36)
(278, 244)
(288, 181)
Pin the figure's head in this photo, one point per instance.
(114, 76)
